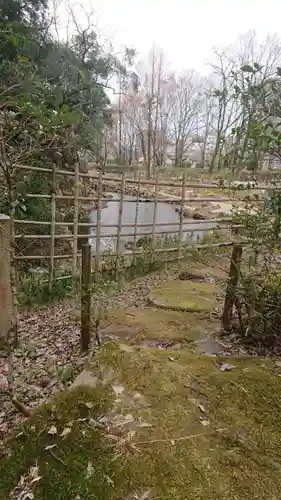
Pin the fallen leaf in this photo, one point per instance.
(145, 495)
(225, 367)
(144, 424)
(33, 471)
(171, 359)
(89, 404)
(205, 423)
(118, 389)
(201, 408)
(65, 432)
(53, 430)
(109, 480)
(50, 447)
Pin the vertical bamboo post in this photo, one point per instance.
(136, 220)
(234, 273)
(181, 215)
(85, 335)
(155, 209)
(75, 223)
(98, 228)
(119, 227)
(6, 297)
(53, 229)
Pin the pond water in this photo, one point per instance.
(165, 214)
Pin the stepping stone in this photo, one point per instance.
(208, 346)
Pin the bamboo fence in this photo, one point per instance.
(143, 190)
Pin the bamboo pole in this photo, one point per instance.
(127, 235)
(86, 298)
(119, 228)
(140, 224)
(75, 223)
(136, 225)
(148, 199)
(181, 214)
(151, 182)
(140, 252)
(53, 228)
(98, 229)
(155, 211)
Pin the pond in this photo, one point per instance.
(165, 214)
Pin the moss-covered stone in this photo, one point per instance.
(185, 296)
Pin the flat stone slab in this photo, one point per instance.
(185, 296)
(209, 346)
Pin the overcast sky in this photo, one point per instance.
(186, 30)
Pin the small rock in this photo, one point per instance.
(225, 367)
(45, 381)
(198, 216)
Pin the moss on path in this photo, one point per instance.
(160, 424)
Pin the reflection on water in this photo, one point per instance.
(165, 214)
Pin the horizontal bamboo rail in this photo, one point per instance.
(113, 235)
(146, 182)
(139, 252)
(145, 200)
(140, 224)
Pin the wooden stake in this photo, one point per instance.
(119, 228)
(75, 222)
(136, 221)
(53, 229)
(181, 215)
(98, 229)
(86, 298)
(6, 288)
(155, 210)
(234, 273)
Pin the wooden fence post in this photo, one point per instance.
(86, 295)
(181, 215)
(234, 272)
(6, 299)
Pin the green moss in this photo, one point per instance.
(207, 434)
(65, 475)
(137, 325)
(185, 295)
(235, 457)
